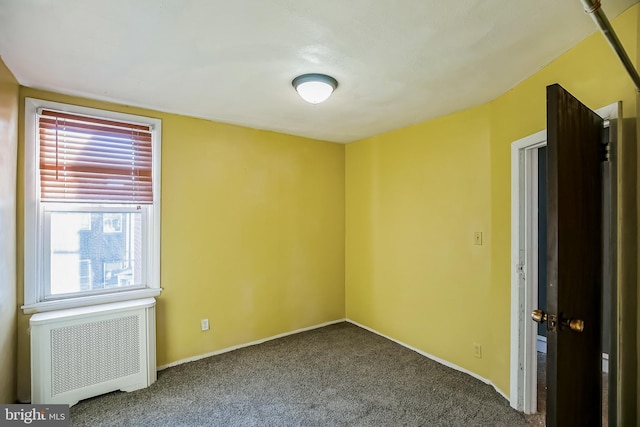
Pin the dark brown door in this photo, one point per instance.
(574, 261)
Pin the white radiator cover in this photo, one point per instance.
(84, 352)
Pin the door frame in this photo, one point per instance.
(524, 155)
(524, 294)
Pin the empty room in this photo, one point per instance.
(319, 213)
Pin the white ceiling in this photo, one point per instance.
(398, 62)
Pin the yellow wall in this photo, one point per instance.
(252, 234)
(253, 223)
(8, 163)
(413, 271)
(415, 196)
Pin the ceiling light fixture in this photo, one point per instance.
(314, 88)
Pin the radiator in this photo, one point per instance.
(84, 352)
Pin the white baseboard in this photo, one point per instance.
(434, 358)
(249, 344)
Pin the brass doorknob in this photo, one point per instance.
(539, 316)
(574, 324)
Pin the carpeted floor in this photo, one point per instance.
(339, 375)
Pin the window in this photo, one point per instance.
(92, 208)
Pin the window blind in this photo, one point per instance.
(91, 159)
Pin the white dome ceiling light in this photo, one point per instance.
(314, 88)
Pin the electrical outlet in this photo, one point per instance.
(477, 350)
(477, 238)
(204, 324)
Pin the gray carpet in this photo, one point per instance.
(339, 375)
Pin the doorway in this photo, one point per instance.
(528, 343)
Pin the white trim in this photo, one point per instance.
(434, 358)
(531, 277)
(90, 311)
(31, 225)
(93, 300)
(249, 344)
(34, 215)
(520, 372)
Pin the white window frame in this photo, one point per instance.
(34, 217)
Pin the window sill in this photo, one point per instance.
(90, 300)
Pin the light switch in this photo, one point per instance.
(477, 238)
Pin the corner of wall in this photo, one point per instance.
(9, 95)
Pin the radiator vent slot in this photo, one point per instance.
(93, 353)
(85, 352)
